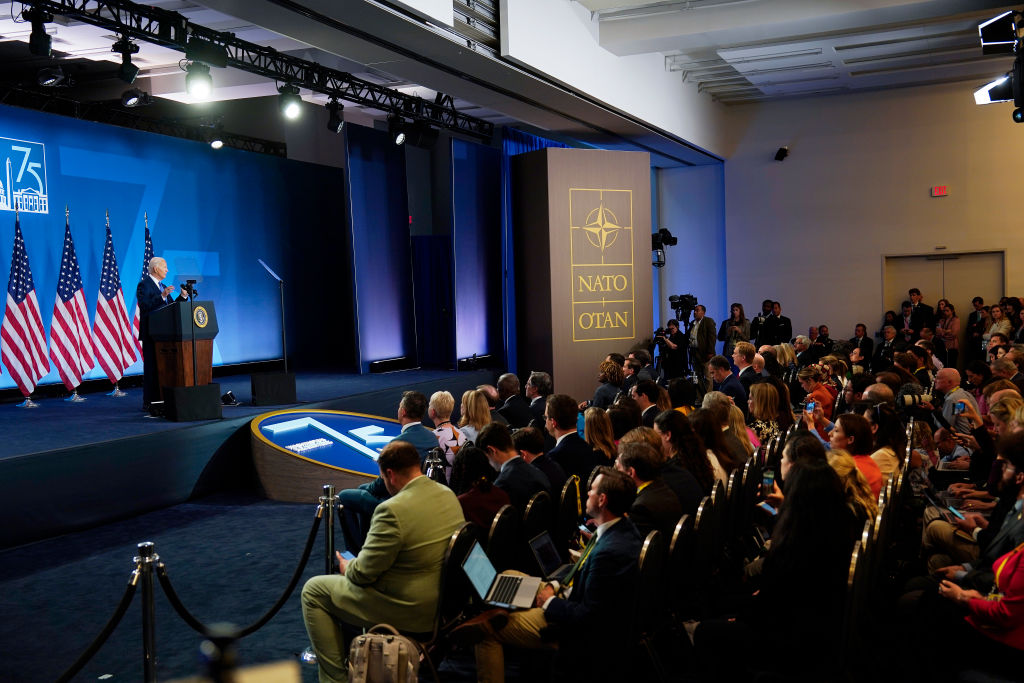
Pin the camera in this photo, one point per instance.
(682, 304)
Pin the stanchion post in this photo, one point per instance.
(145, 562)
(327, 502)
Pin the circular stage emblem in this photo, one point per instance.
(200, 316)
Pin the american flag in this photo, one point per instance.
(146, 255)
(22, 339)
(70, 339)
(115, 348)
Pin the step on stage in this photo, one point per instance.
(69, 466)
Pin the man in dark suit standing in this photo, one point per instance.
(571, 452)
(516, 477)
(656, 506)
(645, 394)
(862, 341)
(975, 328)
(591, 618)
(743, 359)
(728, 383)
(512, 406)
(921, 314)
(783, 327)
(761, 326)
(702, 346)
(151, 295)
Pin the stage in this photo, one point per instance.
(68, 466)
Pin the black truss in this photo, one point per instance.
(173, 30)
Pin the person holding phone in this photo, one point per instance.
(947, 381)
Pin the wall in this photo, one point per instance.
(813, 231)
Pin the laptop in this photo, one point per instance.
(498, 590)
(548, 559)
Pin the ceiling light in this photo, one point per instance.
(198, 83)
(50, 76)
(999, 90)
(999, 34)
(40, 43)
(133, 97)
(128, 71)
(396, 129)
(290, 102)
(335, 122)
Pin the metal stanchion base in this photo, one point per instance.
(74, 398)
(117, 393)
(28, 403)
(307, 656)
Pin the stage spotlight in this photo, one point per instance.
(50, 76)
(126, 48)
(133, 97)
(334, 121)
(40, 43)
(290, 102)
(999, 90)
(198, 83)
(1018, 115)
(396, 129)
(999, 34)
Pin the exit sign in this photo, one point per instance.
(940, 190)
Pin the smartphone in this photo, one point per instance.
(767, 508)
(958, 407)
(811, 405)
(585, 529)
(347, 555)
(767, 482)
(955, 512)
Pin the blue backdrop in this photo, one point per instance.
(212, 213)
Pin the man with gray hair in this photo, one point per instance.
(511, 405)
(151, 294)
(1006, 368)
(882, 360)
(804, 352)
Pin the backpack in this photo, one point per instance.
(382, 655)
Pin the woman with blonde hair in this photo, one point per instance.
(859, 497)
(476, 413)
(597, 431)
(744, 434)
(786, 355)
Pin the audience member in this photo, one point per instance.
(449, 438)
(516, 477)
(810, 382)
(744, 434)
(764, 411)
(859, 498)
(513, 407)
(673, 350)
(571, 452)
(656, 506)
(683, 446)
(683, 394)
(670, 471)
(734, 329)
(490, 393)
(726, 382)
(743, 359)
(597, 432)
(538, 388)
(476, 414)
(852, 433)
(948, 383)
(702, 346)
(473, 482)
(720, 406)
(610, 381)
(530, 444)
(864, 344)
(887, 347)
(709, 430)
(646, 394)
(890, 439)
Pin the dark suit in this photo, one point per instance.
(734, 388)
(683, 484)
(537, 407)
(921, 316)
(702, 350)
(747, 377)
(554, 472)
(517, 411)
(521, 481)
(647, 417)
(866, 346)
(576, 457)
(150, 298)
(882, 360)
(656, 507)
(783, 330)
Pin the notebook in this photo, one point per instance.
(498, 590)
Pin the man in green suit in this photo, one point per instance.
(395, 577)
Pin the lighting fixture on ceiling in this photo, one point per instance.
(290, 102)
(133, 97)
(198, 83)
(40, 43)
(999, 90)
(335, 122)
(50, 76)
(396, 129)
(998, 35)
(128, 71)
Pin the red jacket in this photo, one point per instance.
(1002, 619)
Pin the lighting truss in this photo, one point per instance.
(173, 30)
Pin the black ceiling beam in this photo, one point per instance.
(173, 30)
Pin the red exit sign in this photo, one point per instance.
(940, 190)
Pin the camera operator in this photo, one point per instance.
(672, 344)
(702, 345)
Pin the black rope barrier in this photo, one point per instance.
(122, 608)
(200, 627)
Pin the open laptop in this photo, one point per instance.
(548, 559)
(498, 590)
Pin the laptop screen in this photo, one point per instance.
(479, 570)
(546, 553)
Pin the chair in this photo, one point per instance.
(649, 604)
(505, 539)
(537, 516)
(567, 516)
(856, 587)
(719, 508)
(677, 574)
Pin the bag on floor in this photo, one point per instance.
(382, 655)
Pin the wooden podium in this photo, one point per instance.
(171, 330)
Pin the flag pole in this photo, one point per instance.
(28, 402)
(74, 397)
(116, 391)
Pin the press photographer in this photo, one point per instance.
(671, 345)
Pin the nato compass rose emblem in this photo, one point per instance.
(602, 227)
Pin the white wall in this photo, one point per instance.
(559, 39)
(813, 231)
(691, 205)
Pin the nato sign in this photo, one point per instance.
(295, 451)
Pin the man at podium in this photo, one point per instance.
(151, 295)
